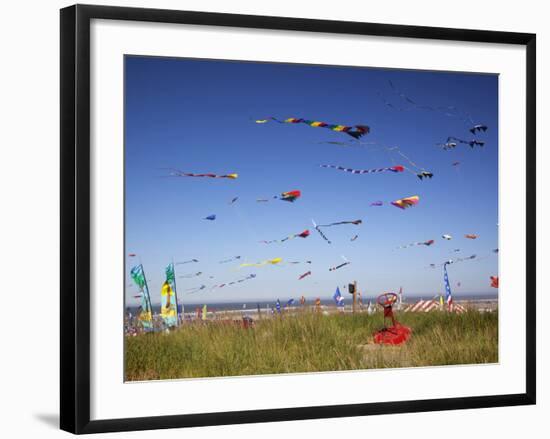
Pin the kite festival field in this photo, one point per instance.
(307, 341)
(262, 199)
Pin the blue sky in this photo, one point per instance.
(198, 116)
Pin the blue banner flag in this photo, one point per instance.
(448, 295)
(338, 298)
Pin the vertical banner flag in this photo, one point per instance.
(145, 315)
(204, 311)
(448, 296)
(338, 298)
(168, 299)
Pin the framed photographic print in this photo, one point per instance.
(284, 218)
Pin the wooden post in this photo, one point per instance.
(354, 296)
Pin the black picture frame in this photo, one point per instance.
(75, 217)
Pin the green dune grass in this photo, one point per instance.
(310, 342)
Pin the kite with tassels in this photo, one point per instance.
(405, 203)
(303, 234)
(412, 244)
(318, 227)
(178, 173)
(337, 267)
(391, 151)
(273, 261)
(395, 169)
(290, 196)
(355, 131)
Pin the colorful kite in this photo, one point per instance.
(412, 244)
(494, 281)
(419, 171)
(405, 203)
(307, 273)
(303, 234)
(355, 131)
(178, 173)
(210, 217)
(290, 196)
(259, 264)
(470, 236)
(395, 169)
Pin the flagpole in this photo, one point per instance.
(176, 293)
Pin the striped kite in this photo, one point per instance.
(303, 234)
(395, 169)
(337, 267)
(355, 131)
(178, 173)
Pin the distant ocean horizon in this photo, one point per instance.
(252, 305)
